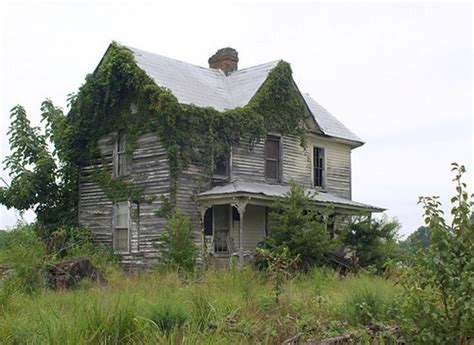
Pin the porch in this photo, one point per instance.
(235, 216)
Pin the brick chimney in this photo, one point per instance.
(225, 59)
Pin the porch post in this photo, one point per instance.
(202, 211)
(241, 204)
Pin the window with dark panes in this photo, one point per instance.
(318, 166)
(208, 222)
(221, 165)
(121, 157)
(272, 158)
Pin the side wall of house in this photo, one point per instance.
(149, 172)
(297, 163)
(190, 183)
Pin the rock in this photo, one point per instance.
(67, 274)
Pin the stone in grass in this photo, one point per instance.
(68, 274)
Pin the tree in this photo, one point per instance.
(420, 239)
(438, 300)
(176, 244)
(40, 177)
(373, 239)
(297, 225)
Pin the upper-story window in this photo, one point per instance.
(318, 166)
(121, 157)
(221, 165)
(272, 158)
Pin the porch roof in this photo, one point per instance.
(265, 191)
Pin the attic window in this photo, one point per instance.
(122, 159)
(272, 158)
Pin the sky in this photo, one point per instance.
(399, 75)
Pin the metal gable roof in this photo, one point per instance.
(206, 87)
(328, 123)
(274, 190)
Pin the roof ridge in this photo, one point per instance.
(215, 70)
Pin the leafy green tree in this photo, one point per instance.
(438, 301)
(41, 179)
(295, 224)
(420, 239)
(373, 239)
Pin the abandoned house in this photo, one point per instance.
(228, 211)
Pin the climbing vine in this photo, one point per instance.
(119, 96)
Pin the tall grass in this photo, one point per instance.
(224, 307)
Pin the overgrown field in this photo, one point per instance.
(225, 306)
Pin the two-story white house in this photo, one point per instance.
(229, 214)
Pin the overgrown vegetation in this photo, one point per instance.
(224, 307)
(26, 256)
(438, 303)
(176, 244)
(374, 240)
(296, 226)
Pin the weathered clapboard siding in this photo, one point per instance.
(150, 172)
(296, 162)
(338, 164)
(248, 164)
(189, 183)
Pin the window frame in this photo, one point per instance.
(323, 169)
(275, 138)
(114, 226)
(121, 158)
(228, 159)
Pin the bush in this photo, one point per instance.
(296, 224)
(374, 241)
(24, 254)
(438, 302)
(177, 246)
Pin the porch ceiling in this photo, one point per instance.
(264, 193)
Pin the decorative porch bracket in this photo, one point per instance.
(240, 204)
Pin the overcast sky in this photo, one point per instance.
(398, 75)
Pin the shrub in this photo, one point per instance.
(23, 253)
(177, 246)
(438, 302)
(296, 224)
(374, 241)
(279, 266)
